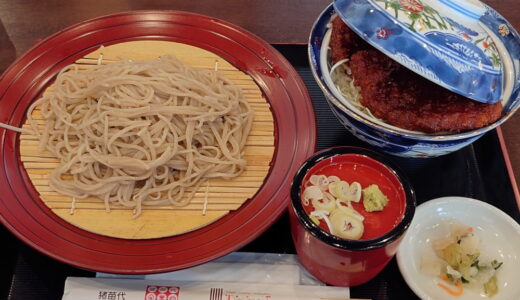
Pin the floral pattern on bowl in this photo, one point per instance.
(423, 18)
(449, 46)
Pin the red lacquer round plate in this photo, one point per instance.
(21, 209)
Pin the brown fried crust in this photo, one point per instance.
(344, 42)
(402, 98)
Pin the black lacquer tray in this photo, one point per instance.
(476, 171)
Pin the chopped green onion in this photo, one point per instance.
(495, 264)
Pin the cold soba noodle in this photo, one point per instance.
(142, 132)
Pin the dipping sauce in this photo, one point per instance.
(365, 171)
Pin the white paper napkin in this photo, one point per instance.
(237, 276)
(81, 288)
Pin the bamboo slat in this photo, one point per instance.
(209, 203)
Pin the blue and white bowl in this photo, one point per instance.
(385, 137)
(462, 45)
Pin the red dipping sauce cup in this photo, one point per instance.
(341, 262)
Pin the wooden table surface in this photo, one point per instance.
(24, 22)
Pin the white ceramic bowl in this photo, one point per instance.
(499, 235)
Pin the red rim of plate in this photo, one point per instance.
(24, 214)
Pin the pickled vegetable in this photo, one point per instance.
(491, 287)
(460, 254)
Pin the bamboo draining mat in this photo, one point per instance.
(160, 221)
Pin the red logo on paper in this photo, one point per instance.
(158, 292)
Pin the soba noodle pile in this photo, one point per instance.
(142, 132)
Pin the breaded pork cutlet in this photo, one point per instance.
(402, 98)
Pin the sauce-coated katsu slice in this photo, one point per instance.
(401, 97)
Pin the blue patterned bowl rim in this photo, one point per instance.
(462, 45)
